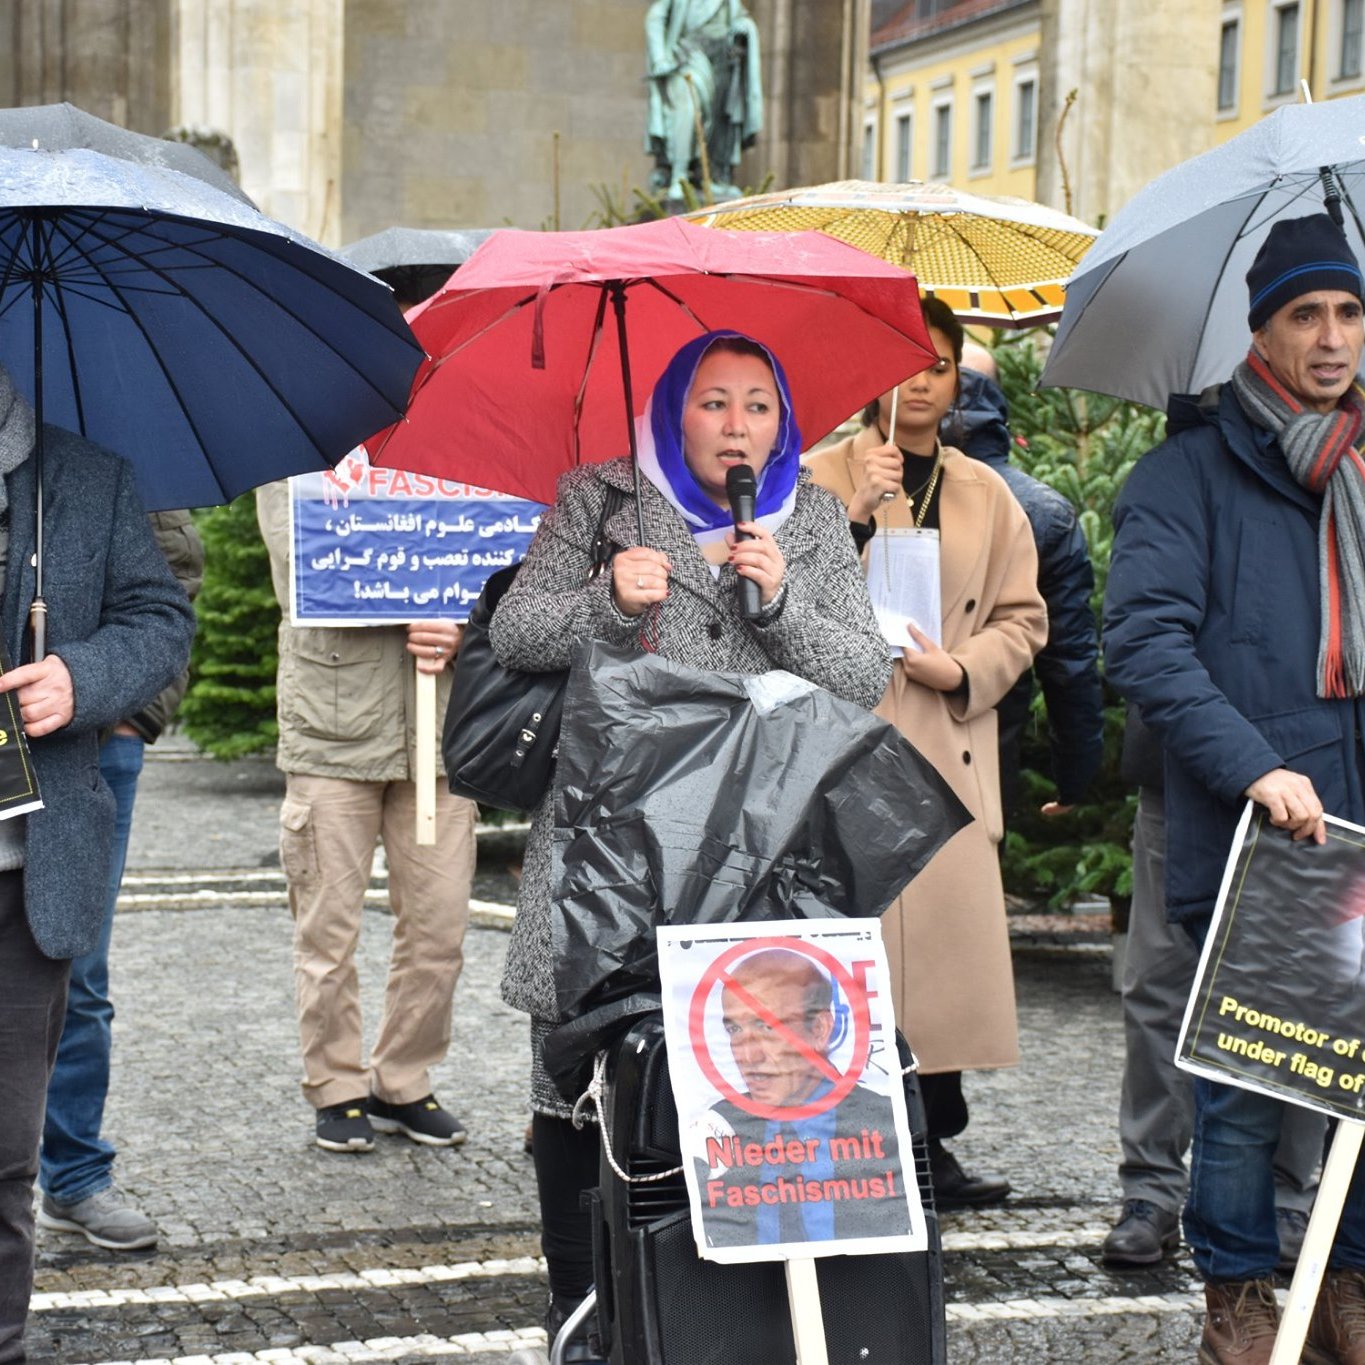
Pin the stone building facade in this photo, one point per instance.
(351, 115)
(1145, 75)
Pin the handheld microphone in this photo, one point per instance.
(742, 488)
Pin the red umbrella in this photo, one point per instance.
(528, 376)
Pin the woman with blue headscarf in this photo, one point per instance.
(722, 401)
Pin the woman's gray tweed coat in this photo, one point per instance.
(824, 630)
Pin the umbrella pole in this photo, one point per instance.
(618, 303)
(891, 435)
(37, 612)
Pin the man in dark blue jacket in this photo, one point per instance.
(1067, 666)
(1233, 619)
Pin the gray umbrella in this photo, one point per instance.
(1159, 306)
(59, 127)
(414, 262)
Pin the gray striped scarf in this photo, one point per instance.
(1320, 450)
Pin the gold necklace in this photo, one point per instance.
(927, 488)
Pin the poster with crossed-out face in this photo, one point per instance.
(788, 1084)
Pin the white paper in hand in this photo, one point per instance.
(903, 582)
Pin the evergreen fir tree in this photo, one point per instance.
(230, 707)
(1083, 445)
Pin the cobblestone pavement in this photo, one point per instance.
(273, 1250)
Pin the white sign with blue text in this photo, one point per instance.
(375, 546)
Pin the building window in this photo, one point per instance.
(1286, 49)
(1228, 45)
(869, 151)
(904, 134)
(1352, 32)
(1025, 118)
(985, 120)
(943, 140)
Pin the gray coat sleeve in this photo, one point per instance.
(826, 631)
(145, 627)
(552, 607)
(178, 540)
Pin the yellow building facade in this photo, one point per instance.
(955, 88)
(1267, 49)
(955, 97)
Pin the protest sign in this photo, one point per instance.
(791, 1104)
(18, 782)
(1278, 1003)
(381, 546)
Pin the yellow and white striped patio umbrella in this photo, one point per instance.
(993, 260)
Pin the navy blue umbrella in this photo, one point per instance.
(212, 347)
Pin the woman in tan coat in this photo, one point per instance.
(946, 935)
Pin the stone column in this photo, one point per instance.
(814, 66)
(1145, 75)
(269, 75)
(110, 57)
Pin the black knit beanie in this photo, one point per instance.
(1298, 256)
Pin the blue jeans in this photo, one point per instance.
(76, 1161)
(1230, 1212)
(1230, 1215)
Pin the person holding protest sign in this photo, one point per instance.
(1156, 1100)
(722, 402)
(346, 698)
(946, 936)
(823, 1172)
(1233, 621)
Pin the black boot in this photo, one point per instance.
(1143, 1235)
(955, 1188)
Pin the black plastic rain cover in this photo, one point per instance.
(690, 797)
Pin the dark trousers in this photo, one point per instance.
(566, 1165)
(945, 1106)
(32, 1006)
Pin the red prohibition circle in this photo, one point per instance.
(853, 993)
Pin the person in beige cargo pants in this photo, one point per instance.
(345, 700)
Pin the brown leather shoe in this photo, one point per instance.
(1336, 1335)
(1240, 1324)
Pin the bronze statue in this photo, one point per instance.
(703, 75)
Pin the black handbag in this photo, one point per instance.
(502, 725)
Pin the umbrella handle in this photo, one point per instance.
(1331, 195)
(895, 399)
(37, 626)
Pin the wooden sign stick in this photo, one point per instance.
(808, 1321)
(1317, 1242)
(425, 776)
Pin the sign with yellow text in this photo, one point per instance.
(1279, 1000)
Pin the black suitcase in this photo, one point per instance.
(659, 1303)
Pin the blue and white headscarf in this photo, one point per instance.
(660, 448)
